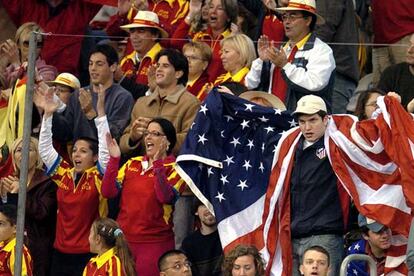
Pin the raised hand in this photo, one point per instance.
(139, 126)
(276, 56)
(113, 148)
(410, 106)
(10, 50)
(85, 100)
(162, 150)
(151, 77)
(123, 7)
(49, 105)
(234, 28)
(194, 10)
(262, 45)
(100, 106)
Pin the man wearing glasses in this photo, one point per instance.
(174, 263)
(304, 65)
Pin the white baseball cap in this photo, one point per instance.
(310, 104)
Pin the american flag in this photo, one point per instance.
(368, 157)
(226, 160)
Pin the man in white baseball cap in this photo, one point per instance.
(318, 205)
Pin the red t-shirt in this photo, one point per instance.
(78, 206)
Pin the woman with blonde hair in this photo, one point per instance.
(40, 204)
(237, 55)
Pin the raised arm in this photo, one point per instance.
(110, 189)
(102, 126)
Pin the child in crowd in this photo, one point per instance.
(8, 217)
(114, 257)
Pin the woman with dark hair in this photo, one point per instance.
(149, 186)
(221, 13)
(367, 103)
(244, 260)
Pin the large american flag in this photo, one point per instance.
(226, 160)
(369, 158)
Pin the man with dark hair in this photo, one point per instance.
(170, 100)
(316, 261)
(174, 263)
(304, 65)
(145, 32)
(203, 247)
(318, 205)
(77, 119)
(376, 239)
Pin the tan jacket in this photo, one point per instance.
(180, 107)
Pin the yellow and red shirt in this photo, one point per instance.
(7, 259)
(131, 66)
(142, 217)
(78, 206)
(106, 264)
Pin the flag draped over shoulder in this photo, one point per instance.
(226, 161)
(373, 160)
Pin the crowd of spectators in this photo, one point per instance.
(111, 112)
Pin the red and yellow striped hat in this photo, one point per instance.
(146, 19)
(303, 5)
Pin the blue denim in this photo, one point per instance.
(342, 92)
(334, 244)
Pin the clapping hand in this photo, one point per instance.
(85, 100)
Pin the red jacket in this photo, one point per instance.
(72, 18)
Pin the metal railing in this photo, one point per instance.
(359, 257)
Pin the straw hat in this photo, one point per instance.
(66, 79)
(303, 5)
(146, 19)
(272, 99)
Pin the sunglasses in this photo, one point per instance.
(39, 44)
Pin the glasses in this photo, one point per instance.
(26, 44)
(153, 133)
(59, 90)
(374, 104)
(291, 17)
(193, 58)
(179, 266)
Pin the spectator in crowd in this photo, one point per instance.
(57, 17)
(393, 25)
(16, 53)
(174, 262)
(77, 120)
(203, 247)
(340, 29)
(221, 14)
(264, 99)
(114, 257)
(400, 77)
(244, 260)
(65, 84)
(315, 261)
(145, 33)
(8, 219)
(40, 204)
(376, 239)
(318, 205)
(148, 222)
(198, 55)
(170, 14)
(170, 100)
(305, 65)
(79, 197)
(367, 103)
(410, 250)
(237, 54)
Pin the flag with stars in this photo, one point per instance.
(226, 160)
